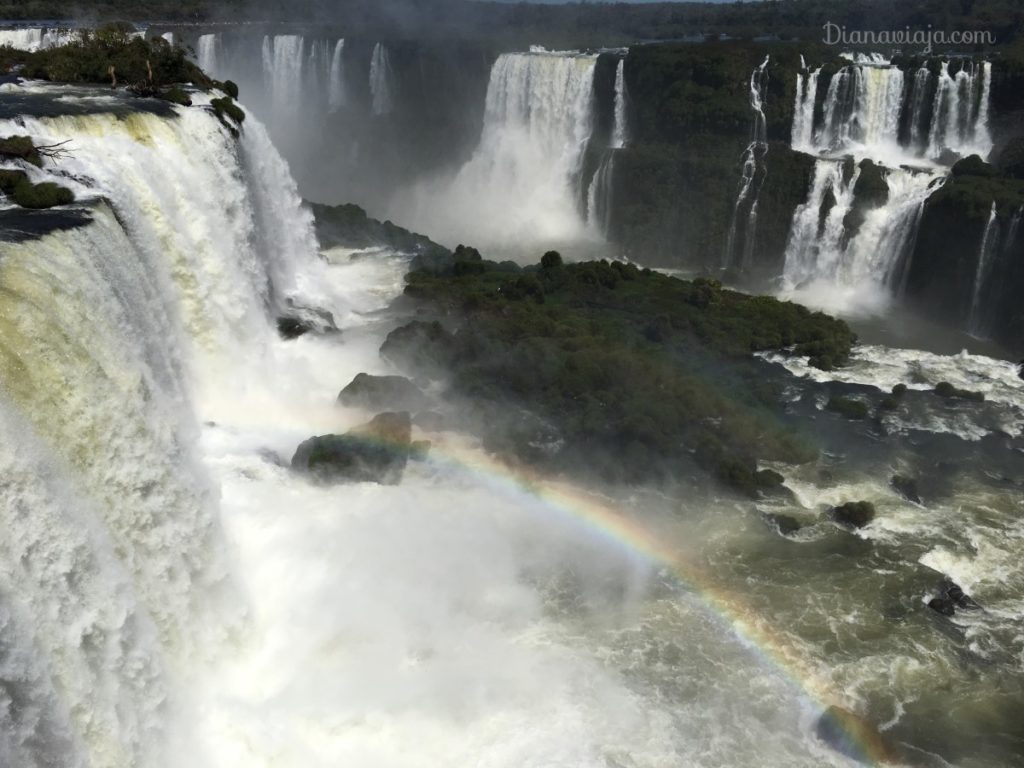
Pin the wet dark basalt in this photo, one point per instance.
(375, 392)
(951, 597)
(299, 320)
(907, 487)
(854, 514)
(376, 452)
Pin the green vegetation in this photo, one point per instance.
(848, 408)
(20, 148)
(226, 110)
(110, 55)
(636, 374)
(10, 179)
(40, 196)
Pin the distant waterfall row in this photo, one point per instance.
(301, 73)
(875, 108)
(884, 142)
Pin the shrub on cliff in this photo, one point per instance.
(574, 345)
(113, 56)
(40, 196)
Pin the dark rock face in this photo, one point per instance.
(375, 392)
(785, 524)
(298, 321)
(420, 346)
(949, 392)
(854, 514)
(376, 452)
(855, 736)
(951, 597)
(906, 487)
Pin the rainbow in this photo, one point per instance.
(858, 739)
(570, 502)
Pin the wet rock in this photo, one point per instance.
(942, 605)
(374, 392)
(949, 392)
(419, 450)
(421, 346)
(1020, 369)
(376, 452)
(856, 737)
(906, 487)
(854, 514)
(951, 597)
(299, 320)
(785, 524)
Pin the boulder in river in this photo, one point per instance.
(854, 514)
(376, 452)
(950, 597)
(374, 392)
(297, 321)
(906, 487)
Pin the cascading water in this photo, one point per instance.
(336, 94)
(739, 248)
(207, 54)
(803, 111)
(601, 188)
(522, 183)
(283, 59)
(35, 38)
(105, 503)
(960, 112)
(870, 112)
(986, 254)
(381, 85)
(620, 131)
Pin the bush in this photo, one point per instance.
(40, 196)
(20, 148)
(848, 407)
(225, 107)
(9, 180)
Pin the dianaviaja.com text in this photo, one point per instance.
(926, 39)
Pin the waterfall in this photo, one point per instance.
(381, 86)
(960, 112)
(986, 254)
(207, 54)
(751, 180)
(862, 107)
(283, 58)
(599, 196)
(523, 180)
(112, 553)
(803, 111)
(620, 131)
(825, 263)
(919, 107)
(336, 96)
(36, 38)
(863, 259)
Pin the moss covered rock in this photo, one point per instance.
(376, 452)
(41, 196)
(20, 148)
